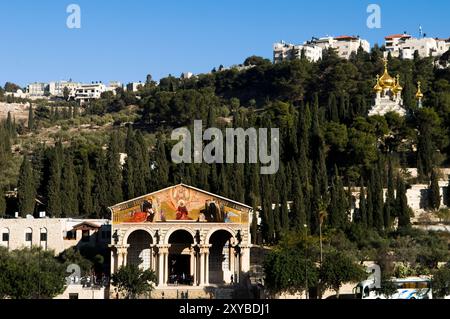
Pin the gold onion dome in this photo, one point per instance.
(419, 94)
(378, 87)
(397, 87)
(386, 81)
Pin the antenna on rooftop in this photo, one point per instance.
(420, 32)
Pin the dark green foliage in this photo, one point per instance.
(69, 188)
(30, 274)
(338, 268)
(26, 189)
(434, 191)
(403, 210)
(133, 281)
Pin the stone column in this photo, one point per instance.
(245, 258)
(152, 257)
(163, 264)
(166, 265)
(207, 266)
(160, 267)
(202, 267)
(192, 264)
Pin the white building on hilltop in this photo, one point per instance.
(37, 89)
(285, 51)
(404, 46)
(57, 88)
(344, 45)
(87, 92)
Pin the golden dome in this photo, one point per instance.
(419, 94)
(386, 81)
(378, 87)
(397, 87)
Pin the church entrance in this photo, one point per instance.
(180, 272)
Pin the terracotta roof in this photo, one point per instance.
(393, 36)
(86, 225)
(345, 37)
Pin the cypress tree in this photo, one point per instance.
(434, 191)
(141, 163)
(298, 211)
(161, 171)
(404, 212)
(69, 189)
(378, 220)
(362, 205)
(267, 194)
(2, 203)
(54, 185)
(26, 191)
(337, 209)
(224, 181)
(369, 205)
(283, 191)
(85, 189)
(30, 118)
(318, 151)
(114, 169)
(100, 200)
(128, 179)
(389, 205)
(425, 153)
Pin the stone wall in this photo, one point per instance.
(56, 229)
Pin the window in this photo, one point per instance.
(85, 236)
(43, 236)
(29, 235)
(5, 237)
(73, 296)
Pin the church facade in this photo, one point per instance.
(188, 236)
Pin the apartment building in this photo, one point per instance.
(404, 46)
(37, 89)
(57, 88)
(285, 51)
(344, 45)
(134, 86)
(87, 92)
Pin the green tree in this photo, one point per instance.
(337, 269)
(69, 188)
(30, 118)
(133, 281)
(30, 274)
(288, 270)
(114, 169)
(441, 282)
(434, 191)
(403, 210)
(2, 203)
(54, 185)
(85, 188)
(26, 189)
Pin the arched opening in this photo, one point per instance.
(29, 237)
(4, 238)
(43, 238)
(139, 251)
(180, 270)
(221, 257)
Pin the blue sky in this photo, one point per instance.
(125, 40)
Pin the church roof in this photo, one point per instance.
(190, 187)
